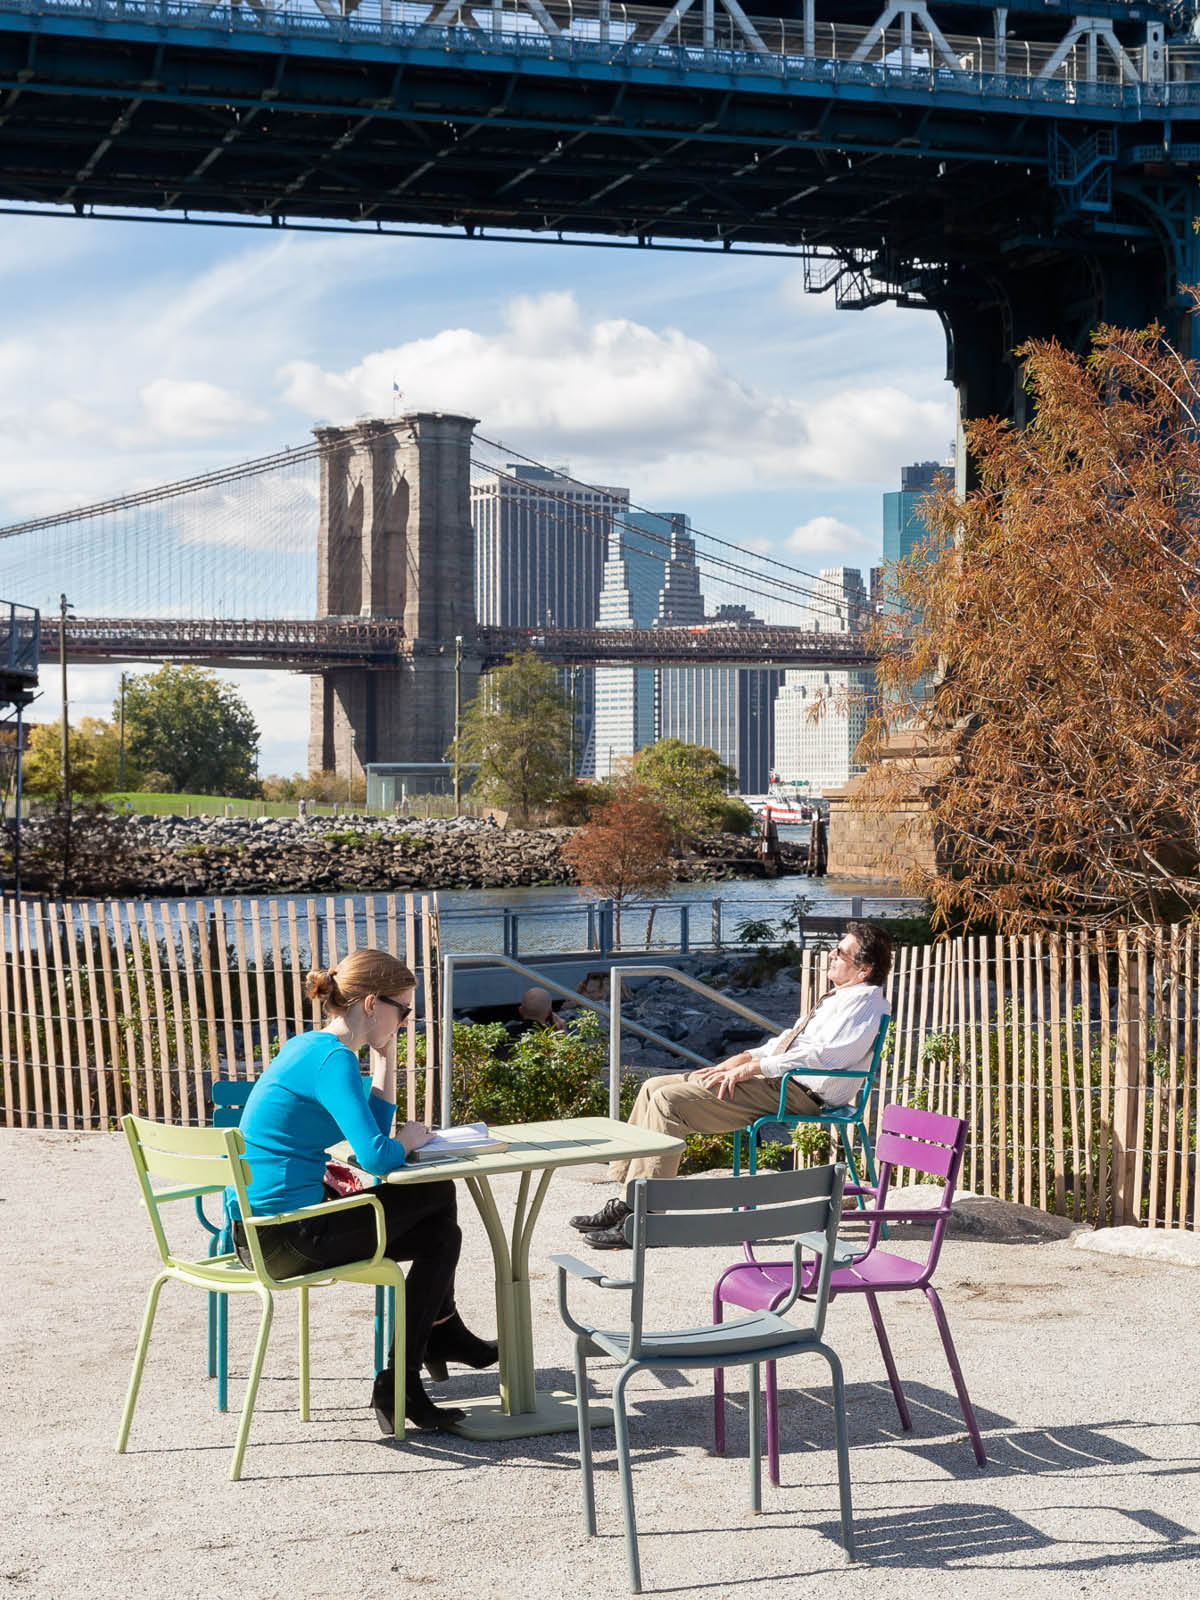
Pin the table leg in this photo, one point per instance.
(520, 1411)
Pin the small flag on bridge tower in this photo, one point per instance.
(396, 394)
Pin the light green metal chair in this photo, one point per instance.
(803, 1206)
(194, 1161)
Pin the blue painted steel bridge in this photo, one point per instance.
(1019, 170)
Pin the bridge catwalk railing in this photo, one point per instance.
(1084, 66)
(1074, 1058)
(291, 643)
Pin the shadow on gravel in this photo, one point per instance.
(974, 1535)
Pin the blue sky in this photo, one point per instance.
(133, 353)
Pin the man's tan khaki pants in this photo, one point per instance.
(678, 1104)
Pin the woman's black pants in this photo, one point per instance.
(422, 1227)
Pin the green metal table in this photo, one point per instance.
(521, 1410)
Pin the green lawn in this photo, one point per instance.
(210, 805)
(213, 805)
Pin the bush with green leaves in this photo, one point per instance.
(548, 1075)
(813, 1143)
(539, 1077)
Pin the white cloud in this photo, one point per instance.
(825, 536)
(610, 391)
(193, 409)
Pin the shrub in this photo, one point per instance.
(812, 1142)
(574, 803)
(775, 1153)
(545, 1075)
(706, 1151)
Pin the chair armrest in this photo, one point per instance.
(323, 1209)
(872, 1213)
(596, 1275)
(329, 1208)
(807, 1072)
(194, 1191)
(209, 1227)
(834, 1072)
(843, 1254)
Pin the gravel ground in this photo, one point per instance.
(1083, 1370)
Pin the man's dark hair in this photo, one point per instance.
(875, 948)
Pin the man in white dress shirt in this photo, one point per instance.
(836, 1035)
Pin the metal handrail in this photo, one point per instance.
(616, 974)
(449, 962)
(762, 45)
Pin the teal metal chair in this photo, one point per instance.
(804, 1206)
(229, 1097)
(842, 1118)
(198, 1161)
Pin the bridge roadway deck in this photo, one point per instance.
(308, 646)
(834, 128)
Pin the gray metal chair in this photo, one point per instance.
(802, 1206)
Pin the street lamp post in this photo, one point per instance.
(574, 680)
(63, 608)
(350, 775)
(121, 744)
(458, 649)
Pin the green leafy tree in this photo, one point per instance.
(518, 730)
(94, 759)
(186, 723)
(691, 783)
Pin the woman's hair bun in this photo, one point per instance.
(321, 984)
(359, 973)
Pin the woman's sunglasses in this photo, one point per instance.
(405, 1011)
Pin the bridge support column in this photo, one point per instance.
(1036, 293)
(1041, 294)
(395, 541)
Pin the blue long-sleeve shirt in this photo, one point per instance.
(311, 1096)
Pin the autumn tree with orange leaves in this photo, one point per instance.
(1046, 653)
(623, 853)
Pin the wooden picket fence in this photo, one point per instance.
(113, 1007)
(1073, 1059)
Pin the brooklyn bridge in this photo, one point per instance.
(1022, 170)
(361, 550)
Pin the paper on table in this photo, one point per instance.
(468, 1139)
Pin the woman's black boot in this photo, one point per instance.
(452, 1340)
(418, 1407)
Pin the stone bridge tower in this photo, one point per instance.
(396, 543)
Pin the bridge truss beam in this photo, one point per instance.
(1021, 172)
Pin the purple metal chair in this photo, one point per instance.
(927, 1143)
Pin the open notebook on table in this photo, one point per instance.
(447, 1144)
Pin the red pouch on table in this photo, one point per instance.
(343, 1180)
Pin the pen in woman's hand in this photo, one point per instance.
(413, 1135)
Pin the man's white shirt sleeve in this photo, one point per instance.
(839, 1037)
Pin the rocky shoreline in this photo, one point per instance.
(201, 856)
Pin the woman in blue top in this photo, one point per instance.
(311, 1096)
